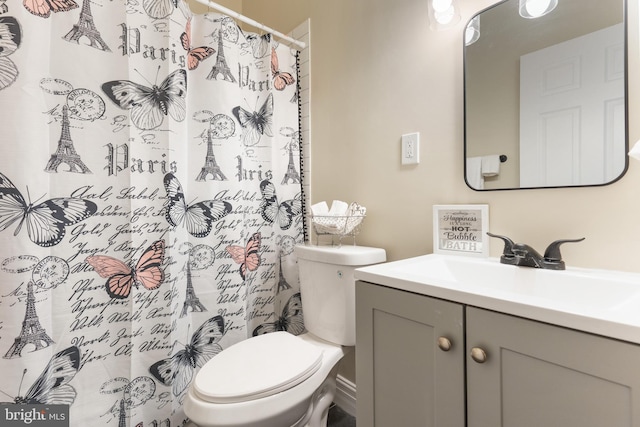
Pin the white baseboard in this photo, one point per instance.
(345, 396)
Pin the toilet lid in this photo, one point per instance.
(256, 368)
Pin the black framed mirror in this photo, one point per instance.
(545, 98)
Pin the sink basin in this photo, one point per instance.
(593, 289)
(599, 301)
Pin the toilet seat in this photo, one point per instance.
(257, 368)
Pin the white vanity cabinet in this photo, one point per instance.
(525, 373)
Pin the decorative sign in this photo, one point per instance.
(461, 229)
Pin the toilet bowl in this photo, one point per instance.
(293, 406)
(282, 380)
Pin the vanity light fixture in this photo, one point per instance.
(536, 8)
(472, 32)
(443, 13)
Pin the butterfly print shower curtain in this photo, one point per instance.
(150, 201)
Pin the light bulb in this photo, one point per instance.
(536, 8)
(445, 16)
(441, 5)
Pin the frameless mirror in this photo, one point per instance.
(545, 98)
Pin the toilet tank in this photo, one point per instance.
(328, 290)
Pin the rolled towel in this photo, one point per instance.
(338, 208)
(320, 208)
(490, 165)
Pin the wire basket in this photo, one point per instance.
(339, 226)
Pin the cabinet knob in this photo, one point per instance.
(444, 343)
(478, 355)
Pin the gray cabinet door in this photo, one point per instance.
(403, 377)
(538, 375)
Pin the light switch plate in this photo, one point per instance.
(411, 148)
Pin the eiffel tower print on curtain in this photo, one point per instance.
(66, 153)
(86, 28)
(210, 165)
(32, 332)
(283, 285)
(292, 174)
(191, 299)
(122, 414)
(221, 66)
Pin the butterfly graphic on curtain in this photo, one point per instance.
(121, 278)
(178, 370)
(290, 321)
(197, 218)
(52, 386)
(255, 124)
(45, 221)
(281, 79)
(43, 8)
(274, 212)
(248, 257)
(149, 105)
(10, 38)
(259, 44)
(159, 9)
(197, 54)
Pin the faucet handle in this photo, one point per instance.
(508, 245)
(552, 255)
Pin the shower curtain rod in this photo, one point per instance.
(239, 17)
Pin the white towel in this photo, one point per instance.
(320, 208)
(338, 208)
(474, 173)
(490, 165)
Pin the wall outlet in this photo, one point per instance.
(411, 148)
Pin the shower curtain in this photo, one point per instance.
(150, 201)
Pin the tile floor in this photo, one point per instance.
(339, 418)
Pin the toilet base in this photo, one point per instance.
(305, 405)
(321, 400)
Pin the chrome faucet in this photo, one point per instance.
(525, 256)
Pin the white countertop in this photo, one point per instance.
(602, 302)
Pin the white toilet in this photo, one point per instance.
(282, 380)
